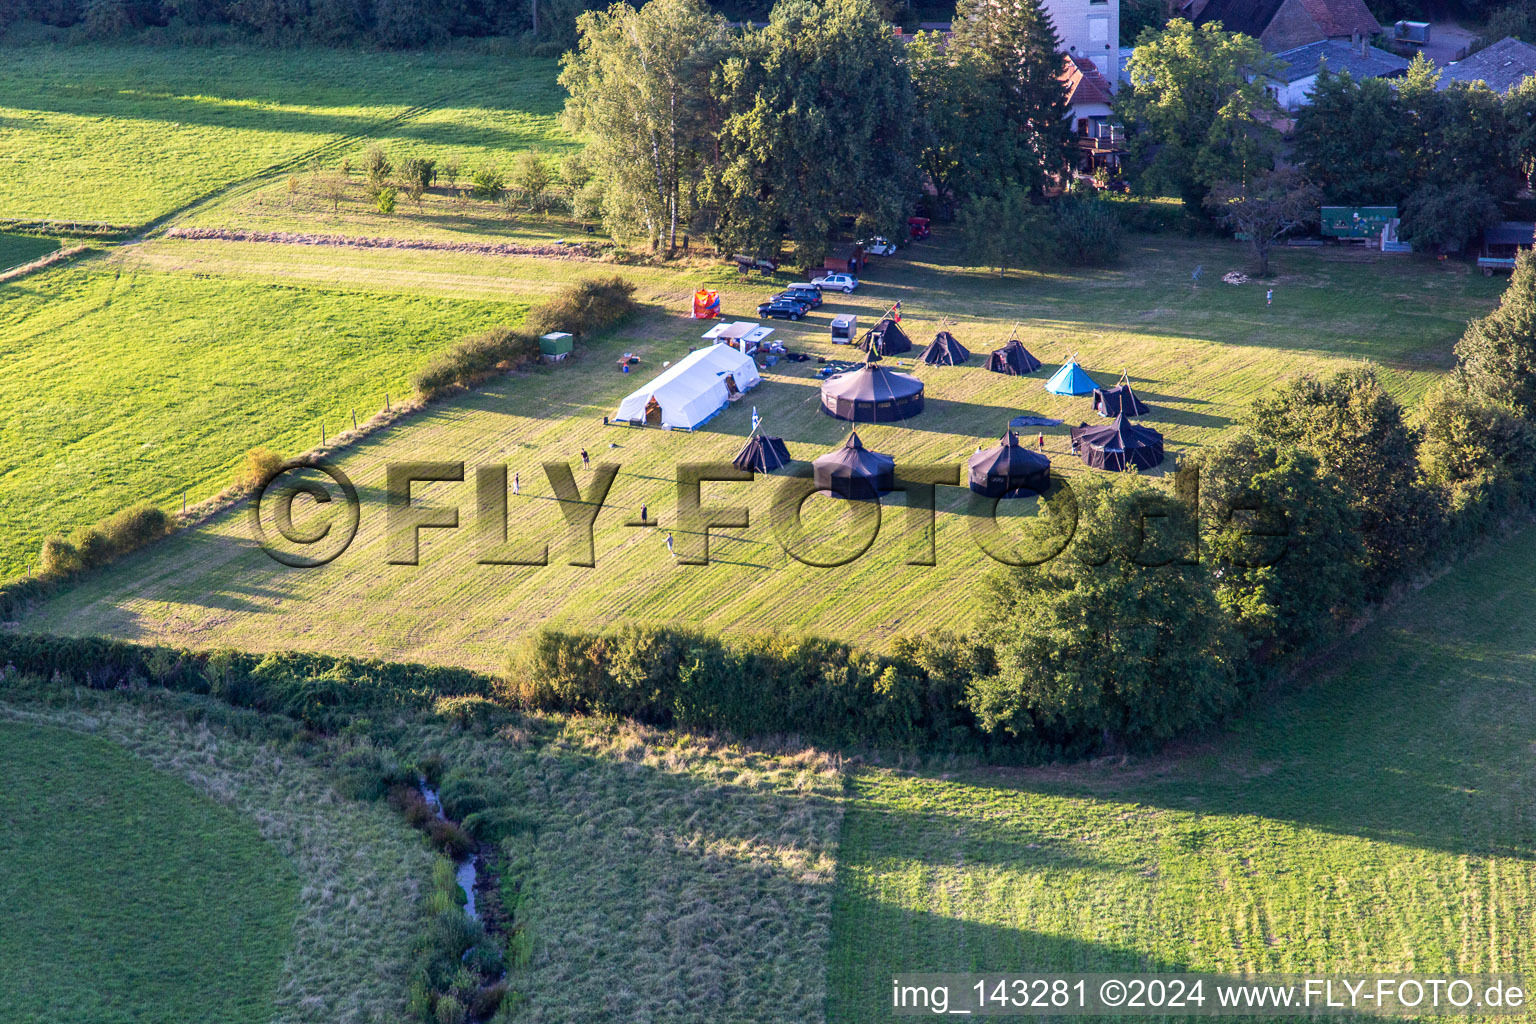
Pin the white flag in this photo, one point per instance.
(756, 419)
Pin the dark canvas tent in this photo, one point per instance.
(945, 351)
(854, 471)
(1013, 358)
(872, 394)
(886, 338)
(1118, 445)
(1009, 468)
(1119, 399)
(762, 454)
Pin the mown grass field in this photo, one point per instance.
(124, 135)
(1198, 355)
(1376, 817)
(125, 895)
(162, 850)
(129, 386)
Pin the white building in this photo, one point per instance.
(1091, 29)
(692, 389)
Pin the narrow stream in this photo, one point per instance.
(465, 873)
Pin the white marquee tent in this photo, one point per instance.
(691, 390)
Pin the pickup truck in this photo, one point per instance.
(844, 283)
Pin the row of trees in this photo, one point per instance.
(757, 136)
(1446, 157)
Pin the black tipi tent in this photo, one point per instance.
(1009, 468)
(1118, 400)
(1118, 445)
(886, 338)
(872, 394)
(854, 471)
(762, 454)
(945, 351)
(1013, 358)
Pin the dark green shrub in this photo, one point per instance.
(1482, 456)
(584, 308)
(1087, 232)
(92, 547)
(487, 1001)
(487, 183)
(450, 839)
(367, 773)
(134, 527)
(59, 557)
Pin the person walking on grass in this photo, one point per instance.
(669, 546)
(1040, 440)
(516, 483)
(1269, 298)
(643, 517)
(586, 460)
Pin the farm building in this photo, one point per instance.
(1008, 470)
(692, 390)
(1118, 444)
(845, 259)
(855, 472)
(872, 394)
(1502, 241)
(1281, 25)
(1292, 88)
(1501, 66)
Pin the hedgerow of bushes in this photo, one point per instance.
(580, 309)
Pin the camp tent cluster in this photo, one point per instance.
(691, 390)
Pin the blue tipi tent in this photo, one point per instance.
(1071, 379)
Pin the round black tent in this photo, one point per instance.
(872, 394)
(945, 351)
(1118, 445)
(1008, 468)
(886, 338)
(1119, 400)
(854, 471)
(762, 454)
(1013, 358)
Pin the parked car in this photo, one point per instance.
(806, 293)
(878, 246)
(781, 309)
(844, 283)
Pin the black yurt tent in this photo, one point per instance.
(872, 394)
(1118, 444)
(1119, 400)
(945, 351)
(1009, 468)
(1013, 358)
(886, 338)
(762, 454)
(854, 471)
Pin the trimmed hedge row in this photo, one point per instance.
(323, 691)
(580, 309)
(821, 690)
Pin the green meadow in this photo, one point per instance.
(128, 386)
(127, 895)
(18, 249)
(125, 135)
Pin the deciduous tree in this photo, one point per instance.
(1198, 108)
(640, 85)
(1265, 209)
